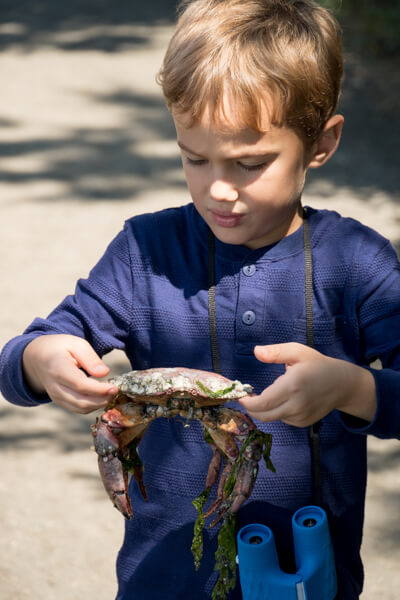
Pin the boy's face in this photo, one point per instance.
(246, 185)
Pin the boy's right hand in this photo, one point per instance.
(56, 365)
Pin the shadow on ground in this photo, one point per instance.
(384, 461)
(387, 531)
(366, 161)
(104, 164)
(100, 24)
(107, 164)
(48, 427)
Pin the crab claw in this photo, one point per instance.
(113, 475)
(105, 441)
(115, 481)
(116, 435)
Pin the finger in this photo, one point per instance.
(286, 409)
(277, 403)
(258, 408)
(289, 353)
(88, 359)
(295, 419)
(268, 416)
(75, 402)
(71, 377)
(271, 398)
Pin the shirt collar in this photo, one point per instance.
(287, 246)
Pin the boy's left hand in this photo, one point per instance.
(312, 386)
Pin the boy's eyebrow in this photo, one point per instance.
(186, 149)
(260, 153)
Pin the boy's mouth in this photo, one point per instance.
(226, 219)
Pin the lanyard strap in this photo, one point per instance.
(308, 281)
(212, 316)
(313, 431)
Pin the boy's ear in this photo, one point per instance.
(328, 142)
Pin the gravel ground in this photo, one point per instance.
(86, 142)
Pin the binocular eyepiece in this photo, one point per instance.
(261, 577)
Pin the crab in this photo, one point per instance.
(192, 394)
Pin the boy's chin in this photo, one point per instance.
(231, 237)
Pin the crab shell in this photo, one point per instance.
(161, 385)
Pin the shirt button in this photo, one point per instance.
(249, 270)
(248, 317)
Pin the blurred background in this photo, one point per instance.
(86, 142)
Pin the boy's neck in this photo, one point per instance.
(288, 227)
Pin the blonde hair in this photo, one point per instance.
(279, 56)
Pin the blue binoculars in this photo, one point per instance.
(260, 575)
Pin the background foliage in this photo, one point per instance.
(369, 25)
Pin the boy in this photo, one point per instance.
(252, 86)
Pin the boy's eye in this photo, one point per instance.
(198, 162)
(256, 167)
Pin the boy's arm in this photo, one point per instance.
(50, 359)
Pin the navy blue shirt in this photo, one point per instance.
(148, 297)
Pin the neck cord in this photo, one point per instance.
(313, 431)
(212, 316)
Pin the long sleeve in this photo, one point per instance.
(99, 311)
(378, 308)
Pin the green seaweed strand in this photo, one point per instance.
(217, 394)
(267, 440)
(197, 544)
(225, 559)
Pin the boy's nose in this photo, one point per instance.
(223, 190)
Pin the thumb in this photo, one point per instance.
(86, 358)
(288, 354)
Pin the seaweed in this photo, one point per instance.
(217, 394)
(225, 555)
(267, 443)
(197, 543)
(225, 559)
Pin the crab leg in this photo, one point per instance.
(223, 425)
(243, 488)
(245, 480)
(214, 467)
(226, 445)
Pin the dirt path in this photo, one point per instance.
(85, 142)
